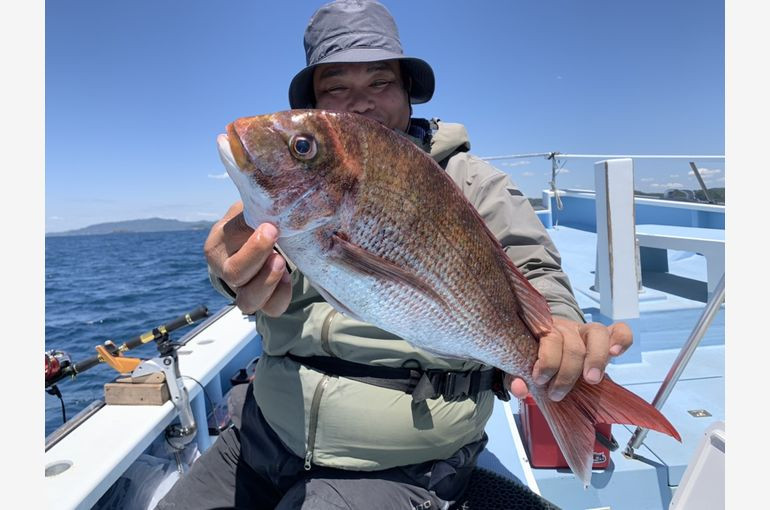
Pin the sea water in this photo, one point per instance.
(116, 287)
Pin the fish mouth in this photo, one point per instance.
(238, 151)
(255, 202)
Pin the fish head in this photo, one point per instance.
(294, 169)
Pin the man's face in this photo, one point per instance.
(373, 89)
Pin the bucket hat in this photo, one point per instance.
(356, 31)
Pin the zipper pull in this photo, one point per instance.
(308, 458)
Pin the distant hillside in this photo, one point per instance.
(716, 194)
(145, 225)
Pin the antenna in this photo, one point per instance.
(702, 184)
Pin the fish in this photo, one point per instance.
(386, 237)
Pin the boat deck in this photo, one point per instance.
(670, 305)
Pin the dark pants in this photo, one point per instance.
(248, 467)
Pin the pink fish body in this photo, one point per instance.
(386, 236)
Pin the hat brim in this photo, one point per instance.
(423, 81)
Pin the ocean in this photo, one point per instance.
(116, 287)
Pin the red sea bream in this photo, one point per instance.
(386, 236)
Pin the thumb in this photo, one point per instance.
(517, 386)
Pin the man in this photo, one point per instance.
(310, 438)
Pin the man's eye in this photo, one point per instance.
(381, 83)
(336, 90)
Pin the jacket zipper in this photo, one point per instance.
(313, 425)
(319, 390)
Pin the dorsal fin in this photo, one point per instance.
(534, 309)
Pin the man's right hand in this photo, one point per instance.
(245, 260)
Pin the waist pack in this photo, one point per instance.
(421, 384)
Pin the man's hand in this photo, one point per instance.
(570, 350)
(244, 258)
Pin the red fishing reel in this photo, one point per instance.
(57, 365)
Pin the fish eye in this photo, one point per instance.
(303, 147)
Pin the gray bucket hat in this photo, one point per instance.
(356, 31)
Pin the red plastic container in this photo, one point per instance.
(541, 445)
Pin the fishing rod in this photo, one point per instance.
(59, 364)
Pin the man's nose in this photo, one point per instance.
(360, 102)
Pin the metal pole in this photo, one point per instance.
(712, 307)
(517, 156)
(606, 156)
(700, 181)
(640, 156)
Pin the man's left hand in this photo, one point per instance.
(570, 350)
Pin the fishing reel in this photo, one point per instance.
(58, 364)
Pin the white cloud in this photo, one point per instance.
(207, 214)
(708, 171)
(55, 218)
(709, 174)
(647, 179)
(669, 185)
(223, 175)
(675, 176)
(515, 163)
(527, 174)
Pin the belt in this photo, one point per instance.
(421, 384)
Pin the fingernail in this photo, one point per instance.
(278, 264)
(269, 231)
(542, 379)
(594, 375)
(286, 277)
(557, 395)
(615, 350)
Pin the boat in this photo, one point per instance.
(655, 263)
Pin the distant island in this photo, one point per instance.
(134, 226)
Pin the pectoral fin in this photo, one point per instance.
(362, 261)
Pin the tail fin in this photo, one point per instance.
(572, 419)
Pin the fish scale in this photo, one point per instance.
(386, 236)
(433, 269)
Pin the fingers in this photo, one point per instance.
(621, 338)
(573, 352)
(597, 341)
(235, 232)
(241, 266)
(517, 386)
(268, 286)
(226, 237)
(281, 298)
(548, 357)
(247, 262)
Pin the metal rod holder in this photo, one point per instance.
(712, 307)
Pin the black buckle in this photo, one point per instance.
(498, 386)
(452, 386)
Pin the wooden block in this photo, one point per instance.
(154, 377)
(131, 393)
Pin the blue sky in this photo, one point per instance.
(136, 91)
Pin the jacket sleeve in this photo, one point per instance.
(511, 218)
(220, 285)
